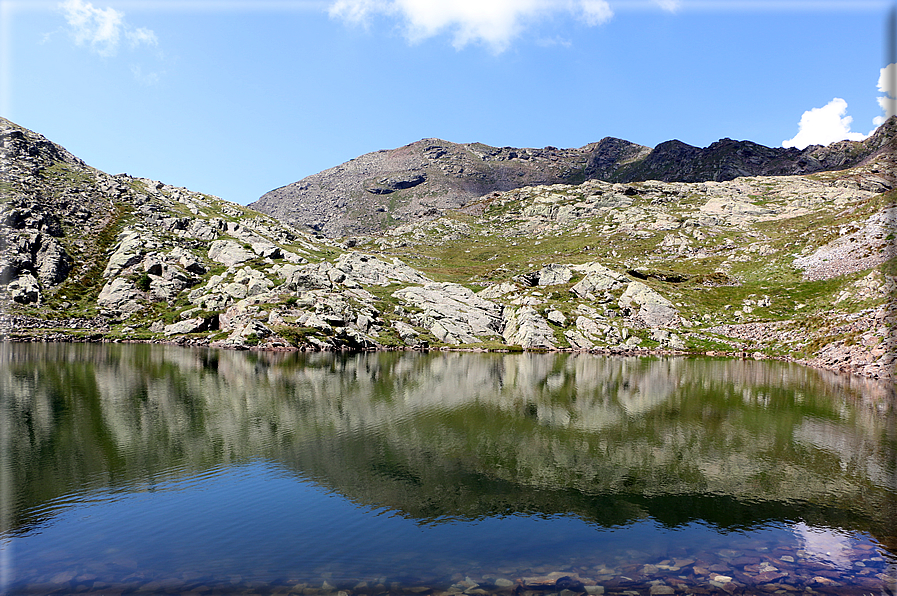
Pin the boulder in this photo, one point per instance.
(24, 289)
(120, 295)
(241, 314)
(235, 290)
(244, 335)
(229, 253)
(314, 321)
(292, 257)
(201, 230)
(194, 325)
(653, 309)
(524, 327)
(554, 274)
(591, 329)
(170, 282)
(577, 341)
(255, 281)
(407, 333)
(597, 279)
(152, 265)
(128, 252)
(354, 339)
(214, 301)
(266, 249)
(257, 286)
(317, 276)
(667, 339)
(493, 291)
(557, 317)
(192, 264)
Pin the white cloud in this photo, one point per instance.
(669, 5)
(358, 11)
(887, 80)
(144, 78)
(596, 12)
(492, 22)
(99, 28)
(823, 126)
(887, 84)
(102, 28)
(549, 42)
(142, 36)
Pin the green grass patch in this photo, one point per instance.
(297, 336)
(86, 280)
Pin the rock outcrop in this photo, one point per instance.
(453, 313)
(523, 326)
(652, 309)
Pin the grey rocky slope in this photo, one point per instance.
(383, 189)
(798, 267)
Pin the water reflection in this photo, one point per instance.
(448, 438)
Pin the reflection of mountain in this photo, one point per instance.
(448, 435)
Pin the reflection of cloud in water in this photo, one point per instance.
(825, 544)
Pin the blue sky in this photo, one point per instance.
(235, 98)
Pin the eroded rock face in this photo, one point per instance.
(53, 262)
(494, 291)
(453, 313)
(129, 251)
(369, 270)
(36, 254)
(120, 295)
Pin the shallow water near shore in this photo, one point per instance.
(157, 469)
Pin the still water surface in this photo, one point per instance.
(157, 469)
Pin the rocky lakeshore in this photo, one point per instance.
(839, 358)
(859, 570)
(798, 268)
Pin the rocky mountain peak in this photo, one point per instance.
(24, 148)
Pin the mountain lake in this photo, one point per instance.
(151, 469)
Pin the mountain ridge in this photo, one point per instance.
(379, 190)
